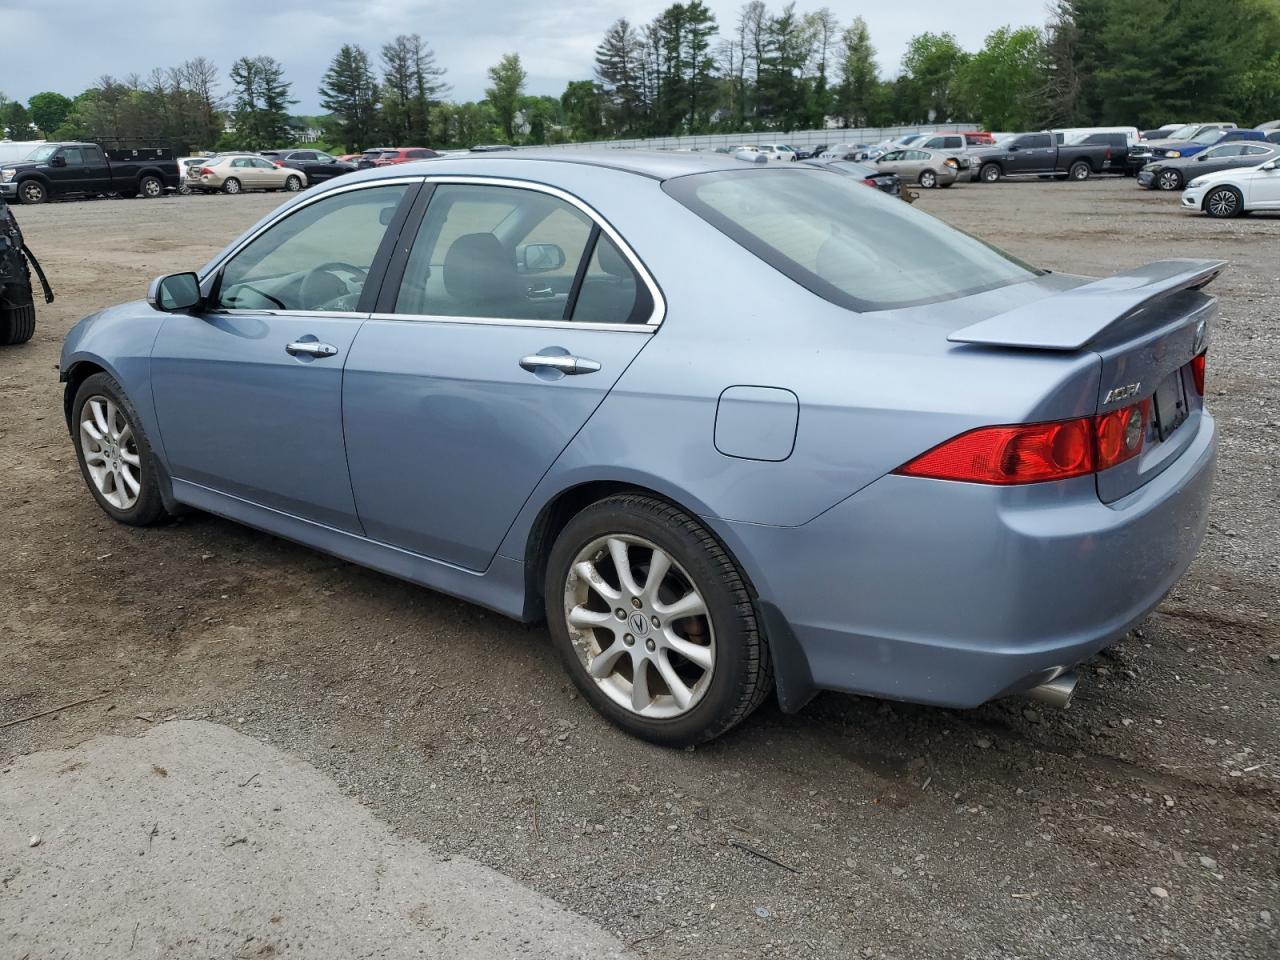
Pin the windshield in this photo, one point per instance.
(1184, 132)
(1209, 136)
(42, 153)
(858, 248)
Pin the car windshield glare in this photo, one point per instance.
(42, 153)
(1209, 136)
(1184, 132)
(858, 248)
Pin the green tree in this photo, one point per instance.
(857, 87)
(261, 101)
(16, 121)
(618, 70)
(507, 77)
(413, 84)
(49, 111)
(929, 71)
(349, 91)
(1001, 86)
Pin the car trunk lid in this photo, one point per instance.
(1146, 325)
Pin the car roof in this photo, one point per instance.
(654, 164)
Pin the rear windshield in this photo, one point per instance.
(856, 247)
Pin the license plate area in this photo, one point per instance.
(1170, 405)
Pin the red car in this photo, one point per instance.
(390, 158)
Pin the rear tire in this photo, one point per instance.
(151, 187)
(17, 324)
(728, 672)
(1079, 171)
(231, 185)
(990, 172)
(1222, 203)
(293, 184)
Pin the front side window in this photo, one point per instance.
(858, 248)
(508, 253)
(315, 259)
(1040, 140)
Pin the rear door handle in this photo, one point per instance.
(310, 348)
(569, 366)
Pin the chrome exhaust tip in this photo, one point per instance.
(1056, 692)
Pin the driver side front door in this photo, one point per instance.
(248, 391)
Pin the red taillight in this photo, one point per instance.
(206, 172)
(1121, 433)
(1197, 372)
(868, 181)
(278, 163)
(1037, 452)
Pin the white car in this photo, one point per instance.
(777, 151)
(1229, 193)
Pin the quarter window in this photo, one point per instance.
(508, 253)
(317, 258)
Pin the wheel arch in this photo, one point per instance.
(793, 679)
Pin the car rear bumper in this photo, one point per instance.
(955, 593)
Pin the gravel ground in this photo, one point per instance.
(1142, 822)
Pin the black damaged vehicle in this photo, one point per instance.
(17, 304)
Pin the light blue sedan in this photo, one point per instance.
(731, 429)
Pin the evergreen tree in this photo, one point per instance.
(618, 68)
(349, 91)
(260, 97)
(857, 86)
(412, 86)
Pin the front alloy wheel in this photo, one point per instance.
(654, 622)
(1169, 180)
(115, 458)
(1222, 203)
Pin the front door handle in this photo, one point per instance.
(567, 365)
(310, 348)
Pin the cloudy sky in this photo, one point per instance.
(66, 46)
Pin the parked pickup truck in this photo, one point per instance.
(1036, 154)
(57, 170)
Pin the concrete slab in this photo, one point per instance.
(196, 841)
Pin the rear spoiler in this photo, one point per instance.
(1071, 319)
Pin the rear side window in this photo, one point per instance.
(858, 248)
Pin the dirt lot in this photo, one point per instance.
(1142, 822)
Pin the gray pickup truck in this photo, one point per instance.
(1036, 154)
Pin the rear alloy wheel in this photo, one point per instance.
(990, 172)
(231, 185)
(654, 623)
(150, 187)
(115, 458)
(1169, 180)
(1079, 171)
(1223, 202)
(32, 191)
(928, 179)
(293, 184)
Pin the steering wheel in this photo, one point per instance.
(320, 286)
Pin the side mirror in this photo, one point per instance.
(1014, 148)
(540, 257)
(174, 293)
(57, 161)
(1201, 158)
(1269, 165)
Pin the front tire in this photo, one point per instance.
(1223, 203)
(928, 179)
(231, 185)
(1169, 180)
(654, 623)
(990, 172)
(115, 458)
(32, 191)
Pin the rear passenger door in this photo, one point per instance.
(507, 315)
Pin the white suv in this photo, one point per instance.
(777, 151)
